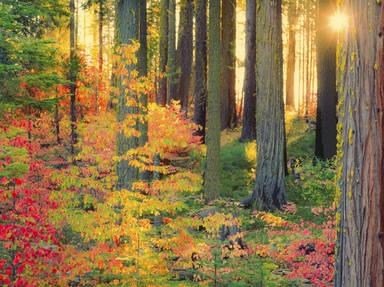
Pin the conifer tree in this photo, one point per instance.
(212, 171)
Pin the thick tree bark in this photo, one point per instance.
(212, 172)
(163, 50)
(185, 52)
(228, 93)
(248, 132)
(73, 75)
(360, 260)
(269, 192)
(200, 89)
(127, 14)
(327, 93)
(291, 63)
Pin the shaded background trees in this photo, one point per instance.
(327, 95)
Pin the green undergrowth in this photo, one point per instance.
(310, 186)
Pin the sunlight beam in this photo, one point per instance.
(338, 21)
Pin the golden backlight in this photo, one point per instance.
(339, 21)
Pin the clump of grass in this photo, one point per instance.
(237, 169)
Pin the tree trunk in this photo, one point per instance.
(308, 39)
(212, 172)
(100, 56)
(269, 191)
(291, 63)
(73, 75)
(185, 52)
(228, 93)
(171, 59)
(327, 94)
(127, 32)
(143, 72)
(248, 132)
(360, 260)
(163, 50)
(200, 89)
(302, 76)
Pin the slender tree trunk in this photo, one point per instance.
(163, 50)
(185, 52)
(299, 72)
(171, 59)
(302, 79)
(127, 15)
(307, 60)
(100, 55)
(143, 72)
(327, 94)
(73, 75)
(248, 132)
(200, 89)
(269, 192)
(360, 260)
(57, 124)
(77, 5)
(291, 63)
(228, 93)
(212, 172)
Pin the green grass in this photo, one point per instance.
(236, 171)
(315, 185)
(300, 141)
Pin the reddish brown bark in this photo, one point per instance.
(360, 252)
(380, 100)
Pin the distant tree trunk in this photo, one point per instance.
(308, 35)
(127, 31)
(200, 89)
(185, 52)
(291, 63)
(248, 132)
(212, 171)
(171, 59)
(228, 93)
(73, 75)
(100, 56)
(143, 72)
(77, 5)
(298, 96)
(269, 191)
(163, 50)
(360, 258)
(57, 123)
(302, 76)
(327, 94)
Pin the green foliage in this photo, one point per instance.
(16, 157)
(26, 58)
(315, 185)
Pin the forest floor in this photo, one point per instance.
(293, 247)
(163, 234)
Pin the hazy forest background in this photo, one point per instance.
(223, 143)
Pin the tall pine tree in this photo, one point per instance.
(212, 171)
